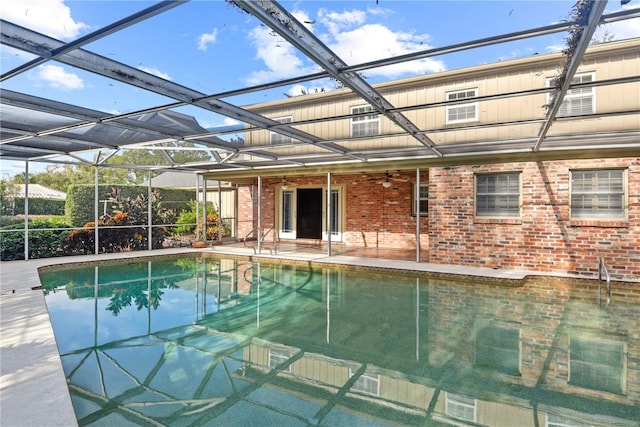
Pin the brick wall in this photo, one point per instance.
(544, 238)
(374, 216)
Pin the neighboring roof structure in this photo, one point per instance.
(173, 179)
(47, 130)
(37, 191)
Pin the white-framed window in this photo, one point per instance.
(497, 194)
(466, 112)
(460, 407)
(598, 194)
(558, 421)
(597, 363)
(579, 100)
(423, 200)
(276, 138)
(278, 356)
(365, 124)
(366, 383)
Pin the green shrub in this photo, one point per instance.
(47, 238)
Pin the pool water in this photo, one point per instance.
(207, 341)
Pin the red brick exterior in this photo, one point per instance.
(542, 239)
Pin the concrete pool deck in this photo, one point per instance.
(33, 387)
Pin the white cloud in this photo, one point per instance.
(371, 42)
(206, 39)
(278, 56)
(348, 34)
(50, 17)
(155, 72)
(57, 77)
(629, 28)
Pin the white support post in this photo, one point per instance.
(328, 213)
(149, 216)
(219, 212)
(96, 207)
(417, 201)
(26, 210)
(259, 231)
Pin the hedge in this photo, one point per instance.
(79, 207)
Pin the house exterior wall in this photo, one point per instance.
(544, 238)
(427, 94)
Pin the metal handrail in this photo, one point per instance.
(603, 268)
(261, 239)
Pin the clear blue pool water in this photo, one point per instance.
(228, 342)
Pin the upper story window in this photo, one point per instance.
(498, 194)
(278, 357)
(466, 112)
(276, 138)
(598, 194)
(366, 383)
(579, 100)
(367, 124)
(460, 407)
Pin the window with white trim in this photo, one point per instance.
(277, 357)
(579, 100)
(366, 383)
(423, 200)
(598, 194)
(466, 112)
(497, 195)
(460, 407)
(276, 138)
(559, 421)
(365, 124)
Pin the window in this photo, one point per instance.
(366, 383)
(277, 357)
(365, 125)
(498, 348)
(462, 112)
(423, 199)
(558, 421)
(598, 194)
(460, 407)
(577, 101)
(498, 195)
(277, 138)
(597, 364)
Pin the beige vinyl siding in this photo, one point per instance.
(510, 76)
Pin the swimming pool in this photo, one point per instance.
(215, 341)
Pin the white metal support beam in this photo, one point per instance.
(576, 54)
(272, 14)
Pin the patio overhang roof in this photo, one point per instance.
(37, 129)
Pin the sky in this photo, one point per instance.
(212, 46)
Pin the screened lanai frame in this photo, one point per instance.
(46, 130)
